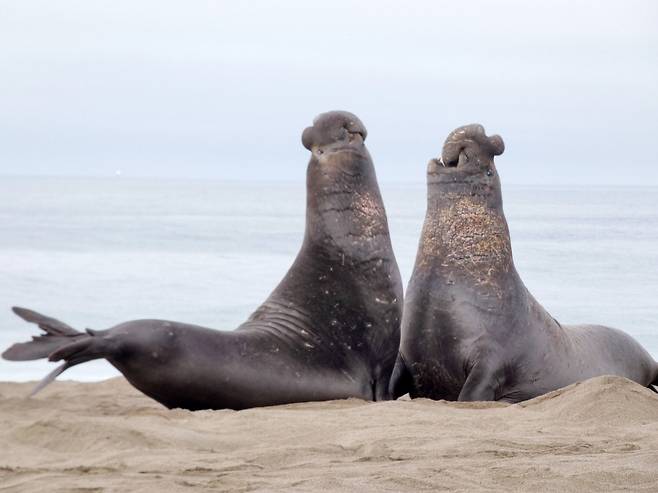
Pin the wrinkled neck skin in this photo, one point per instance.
(465, 238)
(346, 258)
(345, 216)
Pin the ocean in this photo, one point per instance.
(96, 252)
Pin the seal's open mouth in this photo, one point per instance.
(440, 164)
(467, 152)
(450, 164)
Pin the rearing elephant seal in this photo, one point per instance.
(470, 329)
(330, 329)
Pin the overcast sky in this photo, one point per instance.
(224, 89)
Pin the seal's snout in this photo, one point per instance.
(469, 146)
(497, 145)
(334, 131)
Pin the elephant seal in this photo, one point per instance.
(330, 329)
(471, 331)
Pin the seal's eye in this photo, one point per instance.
(489, 172)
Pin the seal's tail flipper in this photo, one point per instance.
(57, 334)
(60, 342)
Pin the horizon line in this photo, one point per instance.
(198, 178)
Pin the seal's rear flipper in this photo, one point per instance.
(59, 342)
(49, 378)
(57, 334)
(73, 354)
(50, 325)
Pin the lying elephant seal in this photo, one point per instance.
(471, 330)
(330, 330)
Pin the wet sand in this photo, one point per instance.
(599, 435)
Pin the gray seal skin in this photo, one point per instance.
(471, 331)
(330, 329)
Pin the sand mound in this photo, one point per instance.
(606, 400)
(599, 435)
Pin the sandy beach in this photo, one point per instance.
(599, 435)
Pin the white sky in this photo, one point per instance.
(224, 89)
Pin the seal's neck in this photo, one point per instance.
(465, 233)
(345, 213)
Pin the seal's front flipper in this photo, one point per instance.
(401, 379)
(481, 383)
(654, 384)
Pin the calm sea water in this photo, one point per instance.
(95, 252)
